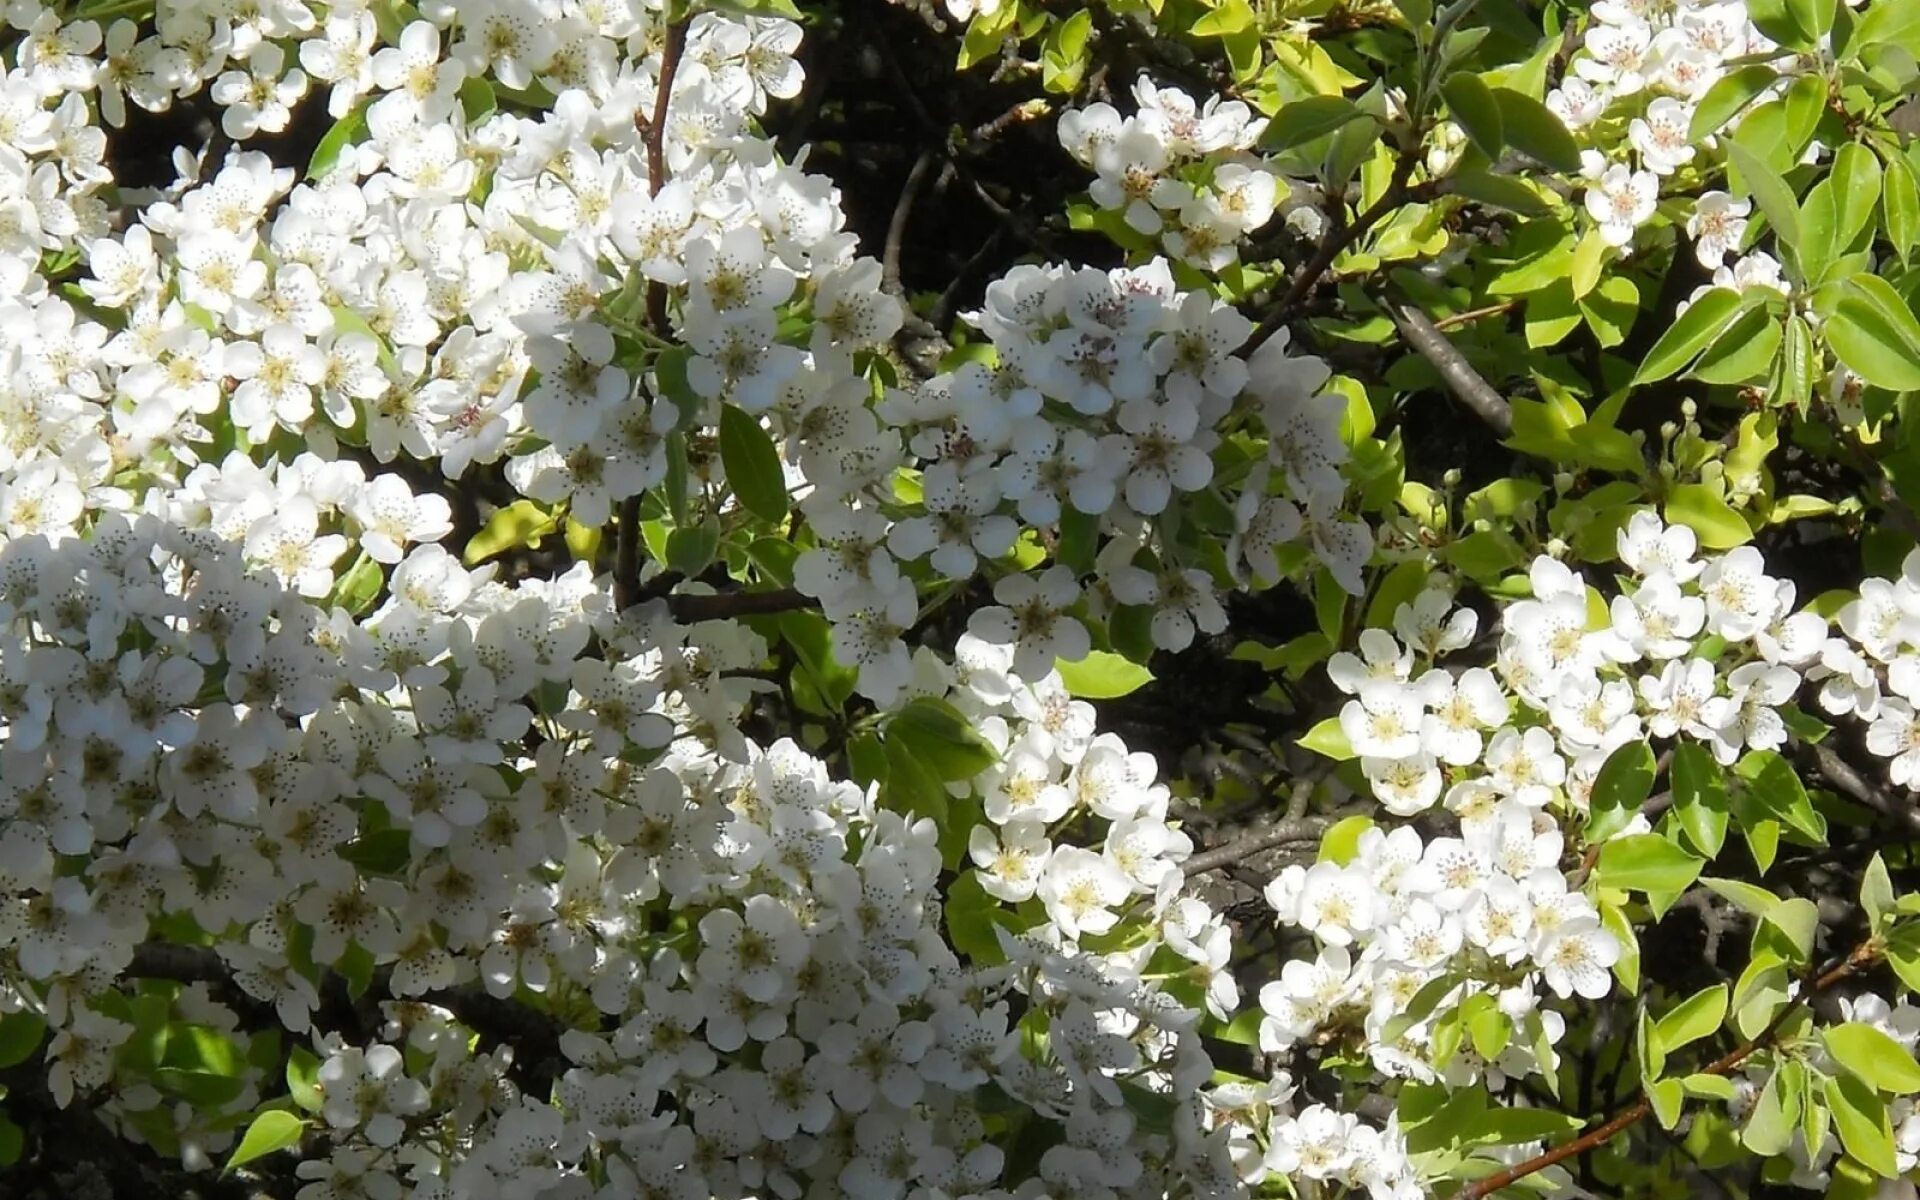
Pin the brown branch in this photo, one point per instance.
(1331, 247)
(1842, 775)
(1467, 384)
(1302, 829)
(897, 225)
(1864, 954)
(653, 133)
(688, 608)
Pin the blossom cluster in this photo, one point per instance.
(253, 705)
(1567, 690)
(1674, 55)
(1178, 171)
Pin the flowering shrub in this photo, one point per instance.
(564, 634)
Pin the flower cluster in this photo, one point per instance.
(1178, 171)
(1675, 55)
(1584, 685)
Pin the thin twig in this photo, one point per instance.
(1331, 247)
(653, 131)
(1467, 384)
(1863, 955)
(1475, 314)
(1842, 775)
(897, 226)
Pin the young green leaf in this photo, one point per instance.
(1860, 1117)
(1769, 191)
(271, 1132)
(1533, 129)
(1690, 333)
(1873, 1057)
(752, 465)
(1694, 1018)
(1724, 100)
(1622, 786)
(1647, 862)
(1875, 333)
(1476, 111)
(1876, 896)
(1102, 675)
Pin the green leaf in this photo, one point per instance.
(1769, 191)
(1860, 1117)
(1774, 783)
(1647, 862)
(1798, 921)
(202, 1088)
(752, 465)
(379, 852)
(1876, 896)
(20, 1035)
(1769, 1128)
(1744, 353)
(1856, 180)
(1476, 111)
(1589, 257)
(13, 1141)
(691, 547)
(270, 1133)
(1748, 897)
(1797, 366)
(522, 523)
(345, 132)
(1102, 675)
(1874, 332)
(1340, 844)
(1308, 119)
(1700, 793)
(1533, 129)
(1689, 334)
(1698, 1016)
(1622, 786)
(1734, 91)
(1900, 202)
(940, 738)
(1329, 739)
(1667, 1096)
(1874, 1058)
(1884, 22)
(1700, 509)
(1627, 969)
(1498, 191)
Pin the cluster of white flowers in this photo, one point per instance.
(1179, 171)
(186, 737)
(1707, 648)
(1675, 53)
(252, 704)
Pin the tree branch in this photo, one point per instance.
(688, 608)
(1480, 397)
(1849, 782)
(1863, 955)
(1301, 829)
(653, 132)
(1330, 248)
